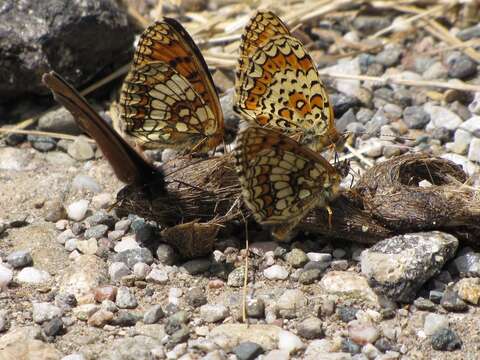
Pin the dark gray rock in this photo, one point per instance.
(460, 66)
(424, 304)
(166, 254)
(247, 350)
(96, 231)
(256, 308)
(125, 319)
(369, 24)
(310, 276)
(389, 57)
(101, 218)
(398, 266)
(350, 347)
(415, 117)
(53, 327)
(346, 313)
(197, 266)
(446, 340)
(435, 296)
(42, 143)
(467, 264)
(20, 259)
(452, 302)
(37, 36)
(153, 314)
(196, 297)
(342, 103)
(346, 119)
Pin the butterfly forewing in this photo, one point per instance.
(278, 86)
(282, 180)
(168, 98)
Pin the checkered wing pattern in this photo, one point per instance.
(281, 179)
(168, 98)
(278, 85)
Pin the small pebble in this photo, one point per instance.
(310, 328)
(290, 302)
(85, 182)
(153, 314)
(196, 297)
(33, 276)
(213, 312)
(124, 319)
(89, 246)
(424, 304)
(109, 305)
(102, 200)
(297, 258)
(117, 270)
(255, 308)
(166, 254)
(451, 301)
(65, 235)
(80, 149)
(276, 272)
(19, 259)
(53, 327)
(346, 313)
(320, 257)
(127, 243)
(71, 244)
(196, 266)
(100, 318)
(132, 256)
(415, 117)
(446, 340)
(141, 270)
(123, 225)
(247, 350)
(370, 351)
(125, 298)
(469, 290)
(310, 276)
(4, 321)
(96, 231)
(77, 210)
(157, 276)
(44, 311)
(460, 66)
(362, 333)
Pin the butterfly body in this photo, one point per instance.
(281, 179)
(168, 99)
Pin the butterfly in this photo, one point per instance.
(277, 85)
(129, 166)
(281, 179)
(168, 99)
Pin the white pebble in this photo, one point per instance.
(474, 106)
(276, 272)
(74, 357)
(157, 276)
(33, 276)
(61, 224)
(88, 247)
(71, 244)
(474, 150)
(6, 276)
(140, 270)
(65, 235)
(289, 342)
(77, 210)
(362, 333)
(434, 322)
(102, 201)
(371, 351)
(127, 243)
(45, 311)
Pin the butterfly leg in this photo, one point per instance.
(330, 215)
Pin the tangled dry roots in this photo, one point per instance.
(389, 199)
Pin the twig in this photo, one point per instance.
(41, 133)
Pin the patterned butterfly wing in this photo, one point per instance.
(278, 85)
(282, 180)
(167, 43)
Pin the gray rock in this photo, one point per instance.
(56, 28)
(196, 297)
(460, 66)
(125, 319)
(415, 117)
(197, 266)
(123, 225)
(376, 122)
(247, 350)
(96, 231)
(469, 33)
(117, 270)
(132, 256)
(342, 103)
(452, 302)
(446, 340)
(53, 327)
(42, 143)
(437, 71)
(435, 296)
(153, 314)
(125, 298)
(101, 218)
(166, 254)
(139, 347)
(369, 24)
(467, 264)
(212, 313)
(348, 346)
(310, 328)
(44, 311)
(256, 308)
(80, 149)
(424, 304)
(297, 258)
(389, 57)
(434, 322)
(19, 259)
(346, 313)
(236, 277)
(474, 151)
(59, 121)
(397, 267)
(345, 120)
(364, 115)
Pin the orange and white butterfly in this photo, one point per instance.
(281, 179)
(278, 85)
(168, 98)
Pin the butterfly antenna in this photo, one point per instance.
(245, 275)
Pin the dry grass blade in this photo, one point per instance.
(41, 133)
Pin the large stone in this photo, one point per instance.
(398, 266)
(59, 34)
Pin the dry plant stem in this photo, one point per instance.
(41, 133)
(386, 201)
